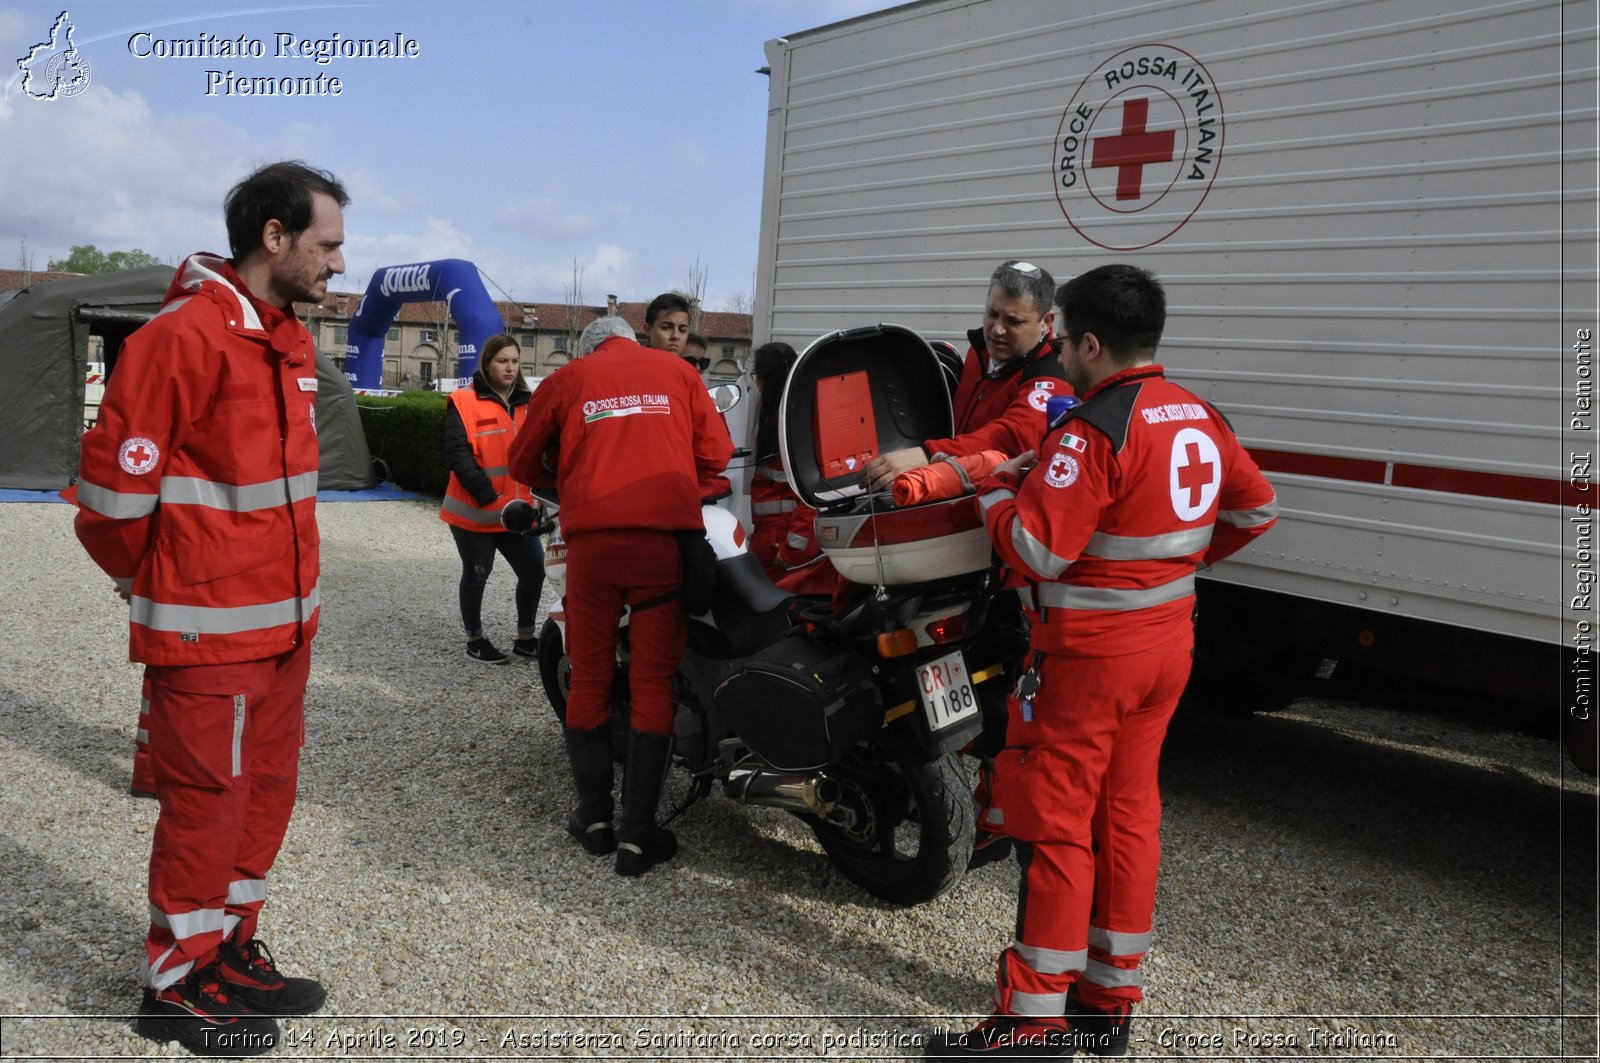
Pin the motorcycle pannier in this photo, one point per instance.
(799, 706)
(852, 396)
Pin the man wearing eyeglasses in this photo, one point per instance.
(1011, 371)
(694, 352)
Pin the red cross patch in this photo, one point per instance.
(138, 455)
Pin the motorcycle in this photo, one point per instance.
(852, 719)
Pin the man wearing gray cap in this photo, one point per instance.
(626, 434)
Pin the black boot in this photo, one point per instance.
(642, 845)
(590, 755)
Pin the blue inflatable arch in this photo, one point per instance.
(454, 280)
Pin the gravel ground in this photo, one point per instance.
(1341, 880)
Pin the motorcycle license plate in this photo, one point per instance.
(947, 694)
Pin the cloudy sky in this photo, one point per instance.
(623, 135)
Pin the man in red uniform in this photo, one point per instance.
(1134, 489)
(197, 495)
(630, 434)
(1011, 370)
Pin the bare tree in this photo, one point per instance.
(573, 295)
(695, 291)
(738, 303)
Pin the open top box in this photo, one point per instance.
(850, 397)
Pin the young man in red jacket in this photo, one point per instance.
(627, 435)
(1133, 491)
(1011, 370)
(197, 495)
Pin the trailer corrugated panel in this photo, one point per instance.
(1375, 222)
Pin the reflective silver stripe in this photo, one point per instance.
(995, 816)
(237, 498)
(1036, 555)
(989, 498)
(1025, 596)
(489, 432)
(1066, 596)
(118, 505)
(211, 620)
(1148, 547)
(230, 924)
(766, 509)
(796, 541)
(776, 473)
(170, 307)
(1038, 1005)
(188, 924)
(247, 890)
(1051, 961)
(487, 518)
(1239, 518)
(238, 734)
(498, 470)
(1109, 977)
(166, 978)
(141, 735)
(144, 706)
(1117, 943)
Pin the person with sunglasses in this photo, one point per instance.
(694, 352)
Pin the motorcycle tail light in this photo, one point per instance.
(897, 643)
(947, 628)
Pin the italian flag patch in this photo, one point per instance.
(1072, 442)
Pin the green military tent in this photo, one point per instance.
(44, 349)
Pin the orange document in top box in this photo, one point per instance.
(846, 432)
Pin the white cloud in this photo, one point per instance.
(691, 155)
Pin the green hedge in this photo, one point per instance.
(405, 433)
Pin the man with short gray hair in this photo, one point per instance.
(629, 434)
(1011, 371)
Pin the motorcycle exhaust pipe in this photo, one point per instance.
(816, 794)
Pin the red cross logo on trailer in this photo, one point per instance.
(1196, 473)
(1139, 146)
(138, 455)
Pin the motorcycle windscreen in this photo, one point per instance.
(851, 396)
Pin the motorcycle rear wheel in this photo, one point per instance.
(914, 824)
(555, 676)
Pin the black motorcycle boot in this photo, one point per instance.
(590, 755)
(642, 845)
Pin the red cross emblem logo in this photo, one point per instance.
(138, 455)
(1196, 473)
(1143, 128)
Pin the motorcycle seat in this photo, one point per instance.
(749, 610)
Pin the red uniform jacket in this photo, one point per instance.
(1133, 490)
(197, 485)
(630, 433)
(1003, 408)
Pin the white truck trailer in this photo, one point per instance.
(1376, 224)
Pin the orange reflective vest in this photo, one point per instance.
(490, 425)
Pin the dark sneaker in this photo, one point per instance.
(203, 1014)
(528, 647)
(989, 848)
(1105, 1033)
(1004, 1037)
(597, 838)
(484, 652)
(637, 857)
(250, 975)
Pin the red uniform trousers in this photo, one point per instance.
(605, 571)
(1077, 788)
(225, 746)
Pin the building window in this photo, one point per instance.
(727, 350)
(341, 335)
(425, 370)
(393, 335)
